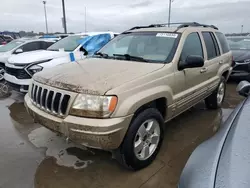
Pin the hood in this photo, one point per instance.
(34, 56)
(241, 55)
(94, 75)
(234, 164)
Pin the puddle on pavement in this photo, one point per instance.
(57, 147)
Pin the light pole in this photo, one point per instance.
(85, 20)
(169, 12)
(45, 12)
(64, 17)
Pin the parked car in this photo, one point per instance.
(5, 39)
(18, 46)
(21, 68)
(223, 160)
(13, 35)
(240, 47)
(119, 99)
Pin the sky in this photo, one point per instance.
(119, 15)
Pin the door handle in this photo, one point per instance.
(203, 70)
(221, 62)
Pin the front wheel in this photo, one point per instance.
(142, 141)
(215, 100)
(2, 71)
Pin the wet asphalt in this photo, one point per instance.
(33, 157)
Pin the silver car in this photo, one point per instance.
(224, 160)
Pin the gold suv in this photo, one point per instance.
(120, 98)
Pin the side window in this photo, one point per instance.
(31, 46)
(45, 45)
(192, 46)
(216, 44)
(223, 42)
(210, 45)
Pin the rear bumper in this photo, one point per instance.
(20, 85)
(106, 134)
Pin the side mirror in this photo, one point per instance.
(85, 52)
(19, 51)
(192, 61)
(243, 88)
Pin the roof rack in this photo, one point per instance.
(181, 25)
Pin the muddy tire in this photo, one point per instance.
(215, 100)
(2, 71)
(142, 141)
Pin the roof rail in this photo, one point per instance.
(181, 25)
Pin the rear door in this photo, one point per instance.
(226, 55)
(212, 60)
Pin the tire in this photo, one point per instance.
(2, 70)
(212, 102)
(127, 154)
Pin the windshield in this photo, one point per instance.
(149, 46)
(67, 44)
(239, 43)
(10, 46)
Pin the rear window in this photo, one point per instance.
(223, 42)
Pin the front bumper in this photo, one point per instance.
(241, 68)
(106, 134)
(20, 85)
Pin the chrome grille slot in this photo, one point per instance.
(44, 94)
(48, 100)
(39, 96)
(57, 99)
(34, 95)
(64, 104)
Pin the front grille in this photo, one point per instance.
(49, 100)
(18, 73)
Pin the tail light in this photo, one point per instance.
(3, 43)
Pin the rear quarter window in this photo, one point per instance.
(223, 42)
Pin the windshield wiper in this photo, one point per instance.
(130, 57)
(102, 54)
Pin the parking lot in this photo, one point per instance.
(32, 156)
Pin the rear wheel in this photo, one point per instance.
(215, 100)
(142, 141)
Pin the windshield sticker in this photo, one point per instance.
(169, 35)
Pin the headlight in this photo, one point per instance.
(34, 69)
(93, 106)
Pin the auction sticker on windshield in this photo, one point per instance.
(169, 35)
